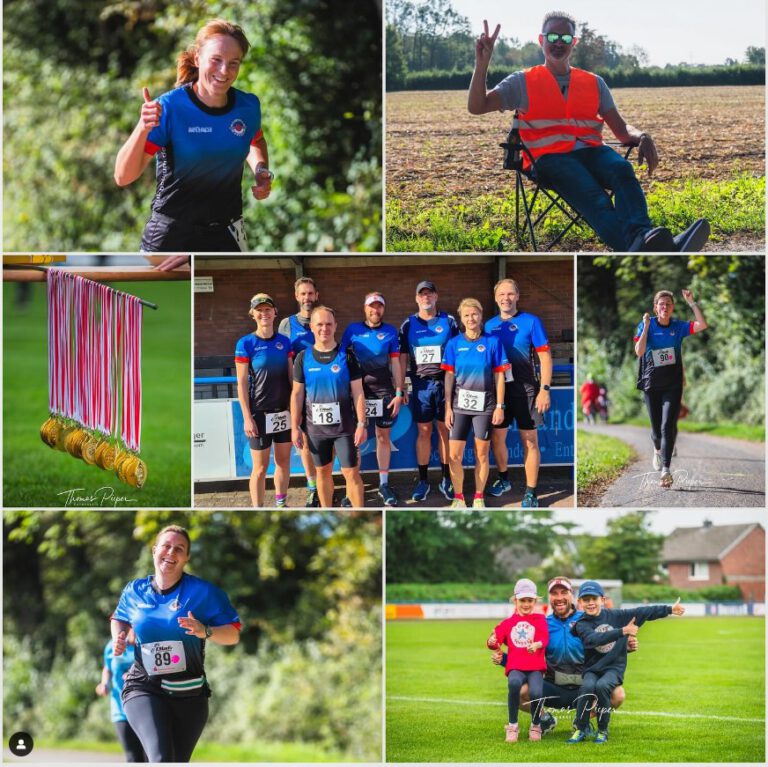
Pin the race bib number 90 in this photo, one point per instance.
(428, 355)
(471, 400)
(278, 422)
(374, 408)
(326, 413)
(663, 356)
(163, 657)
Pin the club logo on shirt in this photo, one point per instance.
(381, 336)
(175, 605)
(481, 348)
(602, 628)
(335, 368)
(238, 127)
(279, 345)
(439, 329)
(522, 634)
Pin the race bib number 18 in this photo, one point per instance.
(326, 413)
(663, 356)
(278, 422)
(163, 657)
(427, 355)
(471, 400)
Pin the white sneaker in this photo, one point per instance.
(666, 478)
(656, 460)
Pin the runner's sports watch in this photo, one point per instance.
(546, 387)
(208, 632)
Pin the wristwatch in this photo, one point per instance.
(546, 387)
(208, 632)
(500, 406)
(362, 424)
(261, 169)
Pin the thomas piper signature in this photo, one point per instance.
(104, 496)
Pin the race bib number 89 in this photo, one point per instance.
(471, 400)
(427, 355)
(663, 356)
(163, 657)
(326, 413)
(278, 422)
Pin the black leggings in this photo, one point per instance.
(595, 695)
(515, 681)
(130, 742)
(663, 409)
(168, 728)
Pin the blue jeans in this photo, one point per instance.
(581, 178)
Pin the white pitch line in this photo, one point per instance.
(669, 715)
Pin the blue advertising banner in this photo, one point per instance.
(556, 437)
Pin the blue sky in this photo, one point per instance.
(670, 31)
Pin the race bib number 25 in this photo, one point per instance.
(277, 422)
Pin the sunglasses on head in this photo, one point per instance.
(553, 37)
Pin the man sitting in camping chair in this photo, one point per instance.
(561, 113)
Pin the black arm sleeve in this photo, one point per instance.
(590, 638)
(355, 372)
(298, 367)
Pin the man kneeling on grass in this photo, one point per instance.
(604, 634)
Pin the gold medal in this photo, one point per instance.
(88, 450)
(105, 456)
(61, 436)
(138, 474)
(74, 441)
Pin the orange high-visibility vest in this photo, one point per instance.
(552, 124)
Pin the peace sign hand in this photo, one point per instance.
(484, 45)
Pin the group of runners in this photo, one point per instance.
(575, 658)
(298, 385)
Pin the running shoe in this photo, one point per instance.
(534, 733)
(387, 495)
(446, 488)
(578, 736)
(656, 460)
(666, 477)
(590, 728)
(478, 503)
(530, 501)
(511, 733)
(601, 737)
(499, 487)
(313, 502)
(346, 503)
(421, 491)
(547, 722)
(458, 503)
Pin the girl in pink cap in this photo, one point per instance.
(526, 636)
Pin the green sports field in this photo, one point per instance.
(35, 475)
(695, 693)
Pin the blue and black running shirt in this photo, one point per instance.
(661, 366)
(327, 377)
(269, 387)
(520, 335)
(297, 329)
(424, 342)
(373, 348)
(474, 363)
(168, 660)
(200, 152)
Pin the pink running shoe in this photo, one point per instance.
(535, 732)
(512, 731)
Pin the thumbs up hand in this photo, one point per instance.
(631, 628)
(677, 608)
(150, 112)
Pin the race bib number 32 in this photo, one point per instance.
(278, 422)
(163, 657)
(663, 356)
(326, 413)
(471, 400)
(428, 355)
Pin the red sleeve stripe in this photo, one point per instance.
(150, 148)
(636, 339)
(395, 355)
(501, 368)
(449, 368)
(242, 359)
(544, 348)
(237, 625)
(291, 354)
(258, 137)
(692, 328)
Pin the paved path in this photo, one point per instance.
(61, 756)
(555, 489)
(708, 471)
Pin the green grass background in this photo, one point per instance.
(33, 474)
(691, 666)
(601, 458)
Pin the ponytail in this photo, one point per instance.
(186, 71)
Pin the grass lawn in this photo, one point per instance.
(695, 693)
(600, 460)
(35, 475)
(752, 433)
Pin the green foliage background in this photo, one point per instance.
(724, 366)
(306, 587)
(72, 91)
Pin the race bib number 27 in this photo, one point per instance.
(428, 355)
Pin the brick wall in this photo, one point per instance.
(679, 576)
(744, 565)
(221, 317)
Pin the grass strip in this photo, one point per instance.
(600, 461)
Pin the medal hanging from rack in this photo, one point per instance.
(94, 375)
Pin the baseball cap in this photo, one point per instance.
(262, 298)
(591, 588)
(525, 588)
(559, 581)
(373, 298)
(426, 284)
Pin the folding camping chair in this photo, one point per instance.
(514, 151)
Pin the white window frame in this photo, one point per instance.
(698, 571)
